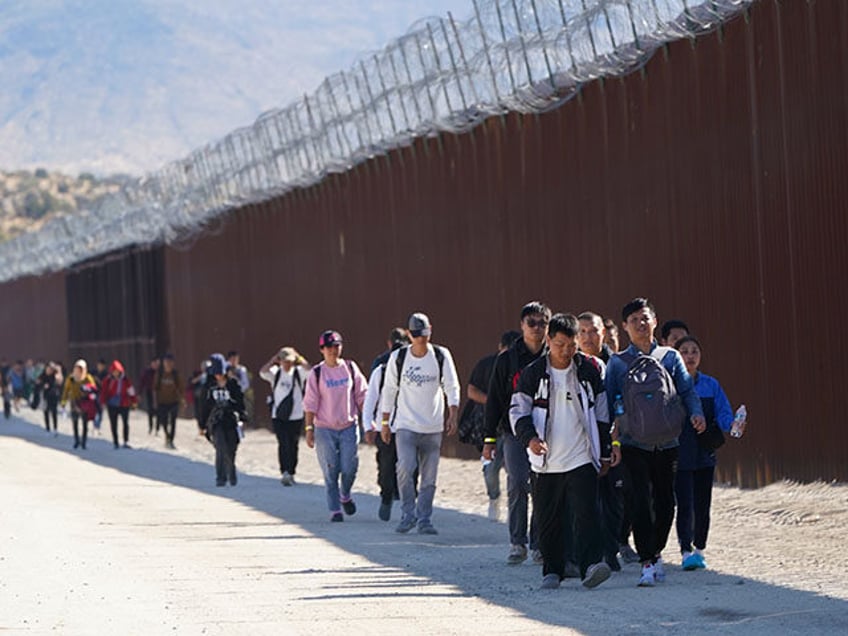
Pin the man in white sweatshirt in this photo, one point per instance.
(419, 379)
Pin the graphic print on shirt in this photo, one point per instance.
(414, 375)
(331, 384)
(221, 395)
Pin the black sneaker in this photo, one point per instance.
(385, 512)
(337, 517)
(349, 507)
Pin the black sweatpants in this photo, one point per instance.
(288, 439)
(166, 418)
(563, 499)
(124, 413)
(652, 482)
(694, 489)
(387, 469)
(51, 411)
(611, 488)
(76, 418)
(226, 442)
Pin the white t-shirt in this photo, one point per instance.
(568, 442)
(284, 386)
(420, 400)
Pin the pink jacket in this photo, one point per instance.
(337, 399)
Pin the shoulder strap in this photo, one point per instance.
(277, 378)
(401, 356)
(440, 358)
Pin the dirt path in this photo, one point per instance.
(140, 541)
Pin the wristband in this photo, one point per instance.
(385, 425)
(490, 440)
(616, 443)
(308, 428)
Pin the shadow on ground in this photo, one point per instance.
(468, 557)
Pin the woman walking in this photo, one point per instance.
(49, 384)
(119, 396)
(81, 391)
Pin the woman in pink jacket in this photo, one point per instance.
(335, 392)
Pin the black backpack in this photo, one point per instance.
(286, 406)
(653, 411)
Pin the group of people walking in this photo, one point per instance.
(604, 443)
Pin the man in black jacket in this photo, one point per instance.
(559, 413)
(508, 365)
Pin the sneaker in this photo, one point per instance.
(126, 445)
(596, 574)
(612, 561)
(517, 554)
(571, 570)
(405, 526)
(337, 517)
(659, 570)
(233, 480)
(220, 483)
(550, 582)
(286, 480)
(536, 556)
(494, 509)
(690, 561)
(628, 554)
(427, 528)
(702, 562)
(647, 578)
(385, 512)
(349, 507)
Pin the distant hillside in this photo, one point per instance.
(124, 86)
(29, 199)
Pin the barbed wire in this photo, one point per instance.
(442, 75)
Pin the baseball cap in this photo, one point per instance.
(217, 364)
(288, 354)
(329, 338)
(419, 325)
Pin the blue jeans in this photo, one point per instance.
(337, 455)
(492, 472)
(518, 492)
(417, 451)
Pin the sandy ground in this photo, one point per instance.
(140, 541)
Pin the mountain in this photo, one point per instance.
(123, 86)
(30, 199)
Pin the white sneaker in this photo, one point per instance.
(648, 576)
(659, 570)
(494, 509)
(517, 554)
(287, 479)
(596, 574)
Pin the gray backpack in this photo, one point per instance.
(653, 411)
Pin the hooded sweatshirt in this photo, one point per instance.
(118, 392)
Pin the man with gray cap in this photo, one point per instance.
(286, 372)
(419, 379)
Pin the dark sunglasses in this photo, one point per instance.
(533, 323)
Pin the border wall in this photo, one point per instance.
(712, 181)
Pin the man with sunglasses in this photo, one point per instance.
(508, 366)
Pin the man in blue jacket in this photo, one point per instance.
(651, 466)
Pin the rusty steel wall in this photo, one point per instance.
(712, 181)
(34, 319)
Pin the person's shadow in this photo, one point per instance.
(468, 556)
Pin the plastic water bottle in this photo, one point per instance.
(618, 406)
(738, 426)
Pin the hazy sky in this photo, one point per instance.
(126, 85)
